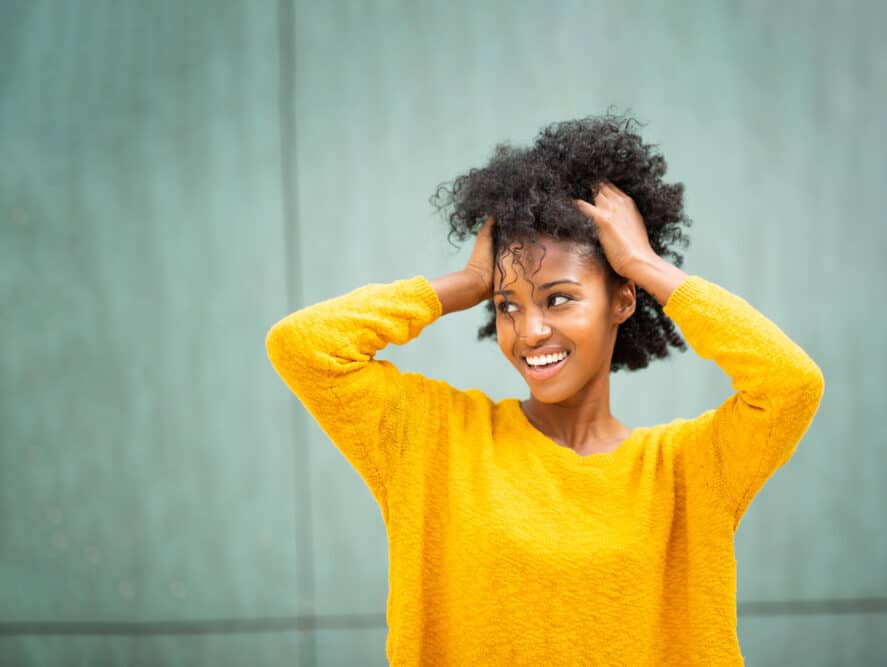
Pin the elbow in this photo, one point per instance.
(292, 350)
(278, 343)
(818, 382)
(809, 385)
(271, 343)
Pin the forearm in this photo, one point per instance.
(766, 366)
(656, 276)
(460, 290)
(333, 335)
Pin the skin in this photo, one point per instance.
(580, 316)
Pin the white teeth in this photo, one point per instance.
(544, 359)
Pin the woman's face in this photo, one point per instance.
(557, 316)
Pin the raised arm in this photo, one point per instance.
(778, 390)
(326, 355)
(778, 387)
(467, 288)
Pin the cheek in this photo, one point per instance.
(586, 328)
(504, 336)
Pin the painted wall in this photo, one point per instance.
(175, 177)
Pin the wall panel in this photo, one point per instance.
(175, 177)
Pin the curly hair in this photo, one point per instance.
(531, 192)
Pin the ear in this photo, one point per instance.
(624, 301)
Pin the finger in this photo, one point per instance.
(590, 210)
(604, 194)
(487, 228)
(610, 190)
(614, 192)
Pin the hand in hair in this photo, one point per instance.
(473, 284)
(621, 229)
(626, 244)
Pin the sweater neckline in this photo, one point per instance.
(550, 449)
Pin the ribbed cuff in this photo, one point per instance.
(688, 293)
(426, 293)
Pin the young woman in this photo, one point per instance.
(546, 531)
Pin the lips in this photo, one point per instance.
(546, 371)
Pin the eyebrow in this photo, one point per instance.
(505, 292)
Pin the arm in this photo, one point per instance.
(778, 390)
(473, 284)
(326, 355)
(778, 387)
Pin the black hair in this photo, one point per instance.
(531, 191)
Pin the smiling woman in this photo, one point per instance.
(557, 320)
(546, 531)
(535, 191)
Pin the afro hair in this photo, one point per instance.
(531, 191)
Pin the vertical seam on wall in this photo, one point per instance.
(292, 270)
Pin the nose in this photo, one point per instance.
(533, 329)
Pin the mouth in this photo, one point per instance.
(544, 366)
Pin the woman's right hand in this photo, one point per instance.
(480, 264)
(473, 284)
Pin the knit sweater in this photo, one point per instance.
(506, 548)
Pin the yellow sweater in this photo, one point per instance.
(508, 549)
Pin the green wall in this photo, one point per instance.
(176, 176)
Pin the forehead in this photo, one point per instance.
(545, 258)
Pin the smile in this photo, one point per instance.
(544, 366)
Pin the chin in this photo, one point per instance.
(550, 394)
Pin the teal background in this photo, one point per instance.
(176, 176)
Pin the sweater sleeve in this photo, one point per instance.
(778, 390)
(325, 354)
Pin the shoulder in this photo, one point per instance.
(673, 437)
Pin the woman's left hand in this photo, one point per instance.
(621, 228)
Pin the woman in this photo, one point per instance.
(546, 531)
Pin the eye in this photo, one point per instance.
(558, 300)
(505, 306)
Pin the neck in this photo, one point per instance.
(583, 423)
